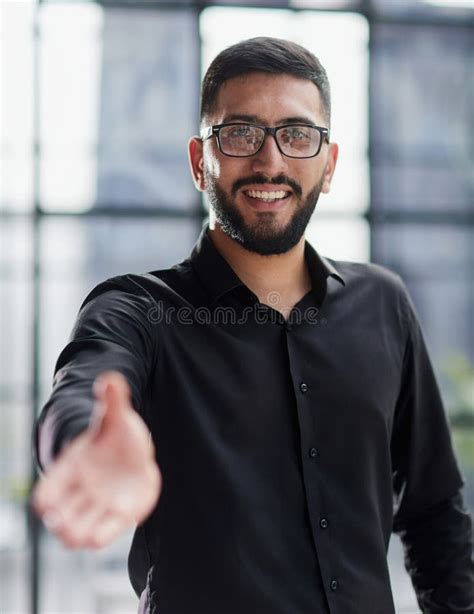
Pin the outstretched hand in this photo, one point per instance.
(106, 479)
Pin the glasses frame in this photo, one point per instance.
(207, 133)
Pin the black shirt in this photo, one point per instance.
(290, 449)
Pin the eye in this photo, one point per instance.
(295, 133)
(239, 131)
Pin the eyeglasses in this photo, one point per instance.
(244, 140)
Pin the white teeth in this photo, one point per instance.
(267, 195)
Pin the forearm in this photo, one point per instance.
(111, 333)
(106, 479)
(70, 406)
(66, 414)
(50, 438)
(438, 556)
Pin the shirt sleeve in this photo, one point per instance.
(113, 330)
(430, 517)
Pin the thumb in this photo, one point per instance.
(113, 397)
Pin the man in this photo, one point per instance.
(295, 420)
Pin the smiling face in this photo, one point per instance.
(265, 201)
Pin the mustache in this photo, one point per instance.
(259, 179)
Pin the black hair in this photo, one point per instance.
(263, 54)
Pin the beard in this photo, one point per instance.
(265, 237)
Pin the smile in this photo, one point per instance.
(266, 195)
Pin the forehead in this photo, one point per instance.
(270, 98)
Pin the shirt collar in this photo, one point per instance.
(218, 277)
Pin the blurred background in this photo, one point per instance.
(97, 102)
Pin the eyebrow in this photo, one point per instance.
(255, 119)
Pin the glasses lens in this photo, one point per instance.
(299, 141)
(240, 139)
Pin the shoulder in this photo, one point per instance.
(149, 287)
(378, 289)
(369, 274)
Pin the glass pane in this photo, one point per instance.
(347, 70)
(442, 9)
(76, 254)
(15, 465)
(16, 248)
(97, 248)
(424, 251)
(350, 191)
(68, 183)
(15, 428)
(17, 106)
(16, 318)
(324, 4)
(422, 150)
(119, 93)
(404, 596)
(436, 262)
(61, 300)
(463, 439)
(411, 186)
(448, 338)
(342, 238)
(250, 3)
(16, 356)
(16, 305)
(71, 55)
(100, 584)
(70, 75)
(13, 562)
(453, 6)
(16, 180)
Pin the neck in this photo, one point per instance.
(285, 274)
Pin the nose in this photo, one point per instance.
(269, 159)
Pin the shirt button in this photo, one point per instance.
(288, 326)
(303, 387)
(312, 452)
(334, 585)
(323, 523)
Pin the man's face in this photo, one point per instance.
(232, 184)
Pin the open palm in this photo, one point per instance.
(106, 479)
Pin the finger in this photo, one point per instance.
(81, 532)
(113, 388)
(107, 529)
(58, 484)
(61, 518)
(113, 394)
(70, 511)
(135, 504)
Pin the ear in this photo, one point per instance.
(330, 167)
(196, 162)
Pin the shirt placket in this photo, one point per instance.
(311, 458)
